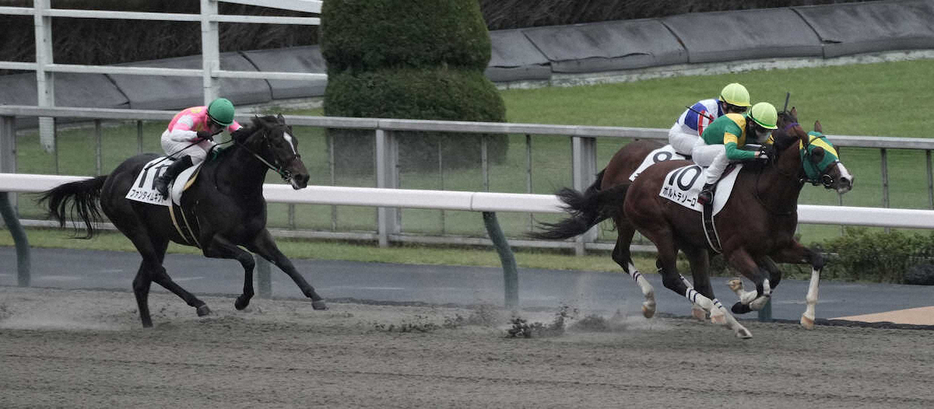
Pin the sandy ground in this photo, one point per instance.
(66, 348)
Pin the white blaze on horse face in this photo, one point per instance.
(288, 138)
(844, 176)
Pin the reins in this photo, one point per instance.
(285, 174)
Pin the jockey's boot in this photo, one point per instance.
(162, 182)
(706, 194)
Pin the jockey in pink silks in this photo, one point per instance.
(190, 136)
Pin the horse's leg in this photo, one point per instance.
(668, 268)
(622, 257)
(700, 270)
(798, 254)
(150, 270)
(700, 264)
(264, 245)
(141, 285)
(220, 247)
(775, 277)
(744, 263)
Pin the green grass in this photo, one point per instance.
(884, 99)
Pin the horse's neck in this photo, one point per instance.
(780, 184)
(241, 170)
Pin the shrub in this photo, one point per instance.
(861, 254)
(412, 60)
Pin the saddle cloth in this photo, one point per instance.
(683, 184)
(143, 190)
(663, 154)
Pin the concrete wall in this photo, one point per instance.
(540, 53)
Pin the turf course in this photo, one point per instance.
(884, 99)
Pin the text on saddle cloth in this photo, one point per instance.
(663, 154)
(683, 184)
(143, 189)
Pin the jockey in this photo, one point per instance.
(190, 136)
(690, 125)
(722, 140)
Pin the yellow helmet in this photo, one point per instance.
(764, 114)
(735, 94)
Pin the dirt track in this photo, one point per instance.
(86, 349)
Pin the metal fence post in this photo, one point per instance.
(386, 159)
(210, 49)
(583, 169)
(45, 80)
(263, 277)
(8, 200)
(506, 257)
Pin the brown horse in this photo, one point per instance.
(768, 218)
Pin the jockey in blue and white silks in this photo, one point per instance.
(684, 134)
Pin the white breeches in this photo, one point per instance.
(197, 151)
(681, 142)
(713, 157)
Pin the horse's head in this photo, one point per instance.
(820, 162)
(272, 139)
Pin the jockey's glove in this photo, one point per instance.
(205, 136)
(765, 152)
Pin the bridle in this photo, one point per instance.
(277, 166)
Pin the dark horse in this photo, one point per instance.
(756, 225)
(225, 205)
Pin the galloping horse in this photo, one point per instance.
(768, 218)
(225, 205)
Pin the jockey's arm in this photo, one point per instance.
(234, 127)
(182, 131)
(733, 152)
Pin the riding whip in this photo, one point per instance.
(787, 95)
(700, 113)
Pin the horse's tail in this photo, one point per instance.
(85, 195)
(587, 209)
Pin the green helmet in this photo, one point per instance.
(221, 110)
(735, 94)
(764, 114)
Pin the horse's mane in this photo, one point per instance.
(257, 122)
(241, 135)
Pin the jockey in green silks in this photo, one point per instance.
(722, 141)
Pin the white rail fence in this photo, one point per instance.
(492, 202)
(211, 71)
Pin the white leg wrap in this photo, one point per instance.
(807, 319)
(758, 303)
(648, 306)
(731, 322)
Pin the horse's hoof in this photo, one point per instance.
(699, 314)
(319, 305)
(743, 333)
(241, 303)
(735, 284)
(807, 323)
(204, 310)
(648, 310)
(740, 308)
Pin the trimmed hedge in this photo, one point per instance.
(864, 255)
(365, 35)
(410, 59)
